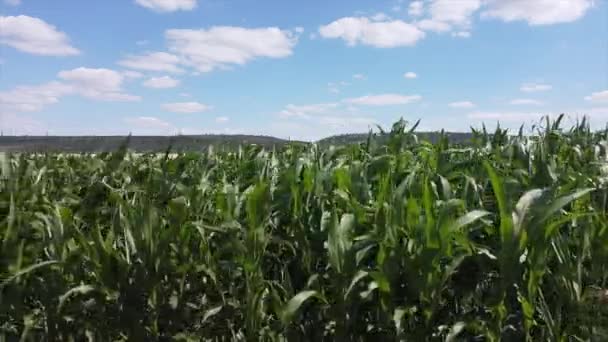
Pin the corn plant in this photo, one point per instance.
(395, 238)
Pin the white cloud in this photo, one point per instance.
(458, 15)
(168, 5)
(537, 12)
(410, 75)
(132, 74)
(433, 25)
(383, 99)
(35, 36)
(362, 30)
(359, 77)
(163, 82)
(153, 61)
(97, 84)
(222, 46)
(13, 2)
(380, 17)
(462, 34)
(462, 104)
(600, 96)
(523, 102)
(32, 98)
(222, 119)
(185, 107)
(535, 87)
(416, 8)
(306, 111)
(455, 12)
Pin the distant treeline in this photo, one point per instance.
(177, 143)
(344, 139)
(136, 143)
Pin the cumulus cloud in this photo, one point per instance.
(185, 107)
(32, 98)
(222, 46)
(433, 25)
(306, 111)
(457, 16)
(416, 8)
(97, 84)
(380, 17)
(462, 104)
(455, 12)
(35, 36)
(383, 100)
(535, 87)
(524, 102)
(600, 96)
(383, 34)
(163, 82)
(132, 74)
(168, 5)
(410, 75)
(153, 61)
(537, 12)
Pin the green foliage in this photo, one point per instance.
(394, 238)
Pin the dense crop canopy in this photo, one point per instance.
(396, 239)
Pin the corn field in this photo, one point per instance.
(394, 239)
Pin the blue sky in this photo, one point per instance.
(300, 70)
